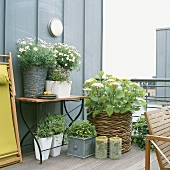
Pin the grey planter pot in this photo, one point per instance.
(34, 81)
(81, 147)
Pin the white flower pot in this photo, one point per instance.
(61, 89)
(45, 143)
(56, 142)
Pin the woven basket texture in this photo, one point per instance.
(116, 125)
(34, 81)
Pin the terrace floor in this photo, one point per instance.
(132, 160)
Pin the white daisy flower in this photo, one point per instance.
(21, 50)
(35, 49)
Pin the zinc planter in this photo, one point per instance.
(45, 144)
(61, 89)
(56, 145)
(81, 147)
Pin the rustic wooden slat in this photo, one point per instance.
(164, 133)
(49, 100)
(160, 129)
(158, 122)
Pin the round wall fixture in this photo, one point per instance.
(55, 27)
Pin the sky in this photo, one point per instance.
(129, 36)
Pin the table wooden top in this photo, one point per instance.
(36, 100)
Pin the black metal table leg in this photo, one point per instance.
(29, 131)
(68, 112)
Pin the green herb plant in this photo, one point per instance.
(81, 129)
(140, 130)
(57, 122)
(50, 125)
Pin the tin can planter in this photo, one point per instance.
(81, 147)
(56, 145)
(45, 145)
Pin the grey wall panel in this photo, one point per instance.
(161, 53)
(82, 22)
(167, 90)
(93, 37)
(2, 19)
(20, 22)
(74, 36)
(48, 10)
(161, 59)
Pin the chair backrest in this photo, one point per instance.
(158, 122)
(10, 151)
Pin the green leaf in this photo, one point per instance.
(109, 110)
(109, 89)
(94, 98)
(101, 99)
(119, 94)
(101, 73)
(95, 113)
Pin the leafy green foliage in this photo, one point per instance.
(140, 130)
(38, 54)
(50, 125)
(113, 95)
(59, 74)
(82, 129)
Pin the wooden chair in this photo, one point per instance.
(10, 151)
(158, 122)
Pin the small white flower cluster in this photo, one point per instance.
(30, 43)
(66, 56)
(97, 85)
(32, 51)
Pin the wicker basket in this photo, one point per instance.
(34, 80)
(116, 125)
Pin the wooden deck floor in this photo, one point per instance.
(132, 160)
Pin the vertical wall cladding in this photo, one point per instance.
(168, 61)
(93, 37)
(82, 22)
(48, 10)
(161, 59)
(74, 36)
(20, 22)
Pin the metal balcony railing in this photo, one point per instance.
(157, 93)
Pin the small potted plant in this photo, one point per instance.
(110, 103)
(57, 122)
(81, 137)
(67, 59)
(35, 56)
(43, 135)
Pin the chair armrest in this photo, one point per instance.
(160, 138)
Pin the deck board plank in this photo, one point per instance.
(132, 160)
